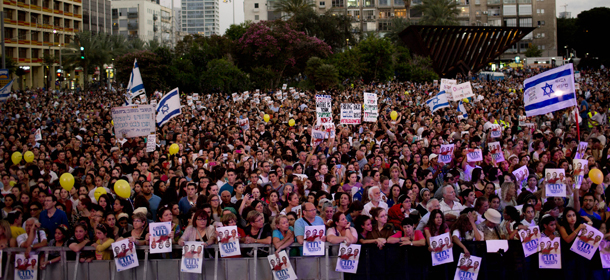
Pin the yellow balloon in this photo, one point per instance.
(98, 192)
(122, 189)
(12, 183)
(596, 176)
(174, 149)
(66, 181)
(16, 158)
(393, 115)
(291, 122)
(465, 100)
(266, 118)
(28, 156)
(112, 122)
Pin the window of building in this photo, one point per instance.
(322, 3)
(541, 22)
(510, 10)
(122, 23)
(337, 3)
(542, 47)
(256, 5)
(123, 12)
(399, 2)
(495, 22)
(477, 2)
(256, 17)
(464, 11)
(525, 10)
(510, 22)
(353, 3)
(384, 26)
(525, 22)
(510, 1)
(384, 2)
(540, 11)
(525, 1)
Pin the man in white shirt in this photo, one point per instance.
(374, 194)
(449, 206)
(431, 205)
(34, 237)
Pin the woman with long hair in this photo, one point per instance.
(214, 201)
(340, 230)
(436, 226)
(465, 229)
(394, 193)
(478, 181)
(509, 195)
(382, 230)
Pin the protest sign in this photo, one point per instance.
(467, 268)
(26, 268)
(317, 136)
(555, 182)
(160, 242)
(348, 258)
(281, 267)
(244, 123)
(442, 249)
(496, 131)
(587, 242)
(447, 86)
(324, 109)
(124, 255)
(474, 155)
(521, 174)
(529, 240)
(550, 253)
(579, 166)
(151, 143)
(495, 149)
(461, 91)
(284, 86)
(228, 241)
(580, 151)
(370, 107)
(446, 153)
(192, 257)
(313, 245)
(134, 121)
(351, 113)
(604, 253)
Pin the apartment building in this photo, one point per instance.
(142, 19)
(200, 17)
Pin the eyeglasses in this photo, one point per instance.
(309, 210)
(259, 220)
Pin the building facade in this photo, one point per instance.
(200, 17)
(35, 28)
(96, 16)
(142, 19)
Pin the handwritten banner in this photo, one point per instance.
(550, 253)
(160, 242)
(124, 255)
(461, 91)
(587, 242)
(324, 110)
(134, 121)
(370, 107)
(192, 257)
(529, 240)
(447, 86)
(555, 182)
(351, 113)
(442, 249)
(228, 241)
(446, 153)
(348, 258)
(495, 149)
(151, 143)
(467, 268)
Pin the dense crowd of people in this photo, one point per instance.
(374, 183)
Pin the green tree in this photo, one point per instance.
(47, 63)
(348, 63)
(438, 12)
(292, 7)
(235, 31)
(151, 69)
(327, 76)
(566, 35)
(592, 27)
(533, 51)
(398, 25)
(223, 76)
(334, 30)
(376, 55)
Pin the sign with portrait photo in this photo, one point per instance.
(26, 268)
(192, 257)
(474, 155)
(496, 131)
(587, 241)
(124, 255)
(604, 253)
(442, 249)
(579, 167)
(529, 240)
(467, 268)
(228, 241)
(521, 175)
(313, 244)
(446, 154)
(281, 267)
(555, 182)
(580, 151)
(160, 242)
(348, 258)
(495, 150)
(550, 253)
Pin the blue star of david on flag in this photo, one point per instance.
(438, 102)
(548, 89)
(164, 109)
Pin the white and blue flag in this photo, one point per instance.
(169, 107)
(438, 102)
(135, 87)
(462, 109)
(5, 92)
(550, 91)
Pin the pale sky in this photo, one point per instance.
(577, 6)
(226, 12)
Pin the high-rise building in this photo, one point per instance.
(96, 16)
(35, 28)
(565, 14)
(143, 19)
(200, 17)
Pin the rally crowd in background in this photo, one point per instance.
(375, 182)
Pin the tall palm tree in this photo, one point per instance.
(438, 12)
(291, 7)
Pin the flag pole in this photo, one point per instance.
(577, 125)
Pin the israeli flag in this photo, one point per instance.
(135, 87)
(5, 92)
(169, 107)
(462, 109)
(438, 102)
(550, 91)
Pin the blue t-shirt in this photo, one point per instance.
(583, 213)
(184, 205)
(50, 224)
(300, 224)
(154, 202)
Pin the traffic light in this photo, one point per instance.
(82, 52)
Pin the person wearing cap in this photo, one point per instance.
(489, 227)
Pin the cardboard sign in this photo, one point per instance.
(313, 245)
(134, 121)
(151, 143)
(447, 85)
(26, 268)
(124, 255)
(550, 253)
(244, 123)
(442, 249)
(579, 166)
(228, 241)
(192, 257)
(495, 149)
(446, 154)
(461, 91)
(587, 242)
(317, 136)
(467, 268)
(529, 240)
(370, 107)
(281, 266)
(474, 155)
(580, 151)
(160, 242)
(351, 113)
(349, 257)
(521, 174)
(324, 110)
(555, 182)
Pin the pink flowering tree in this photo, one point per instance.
(276, 45)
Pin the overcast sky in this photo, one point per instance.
(577, 6)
